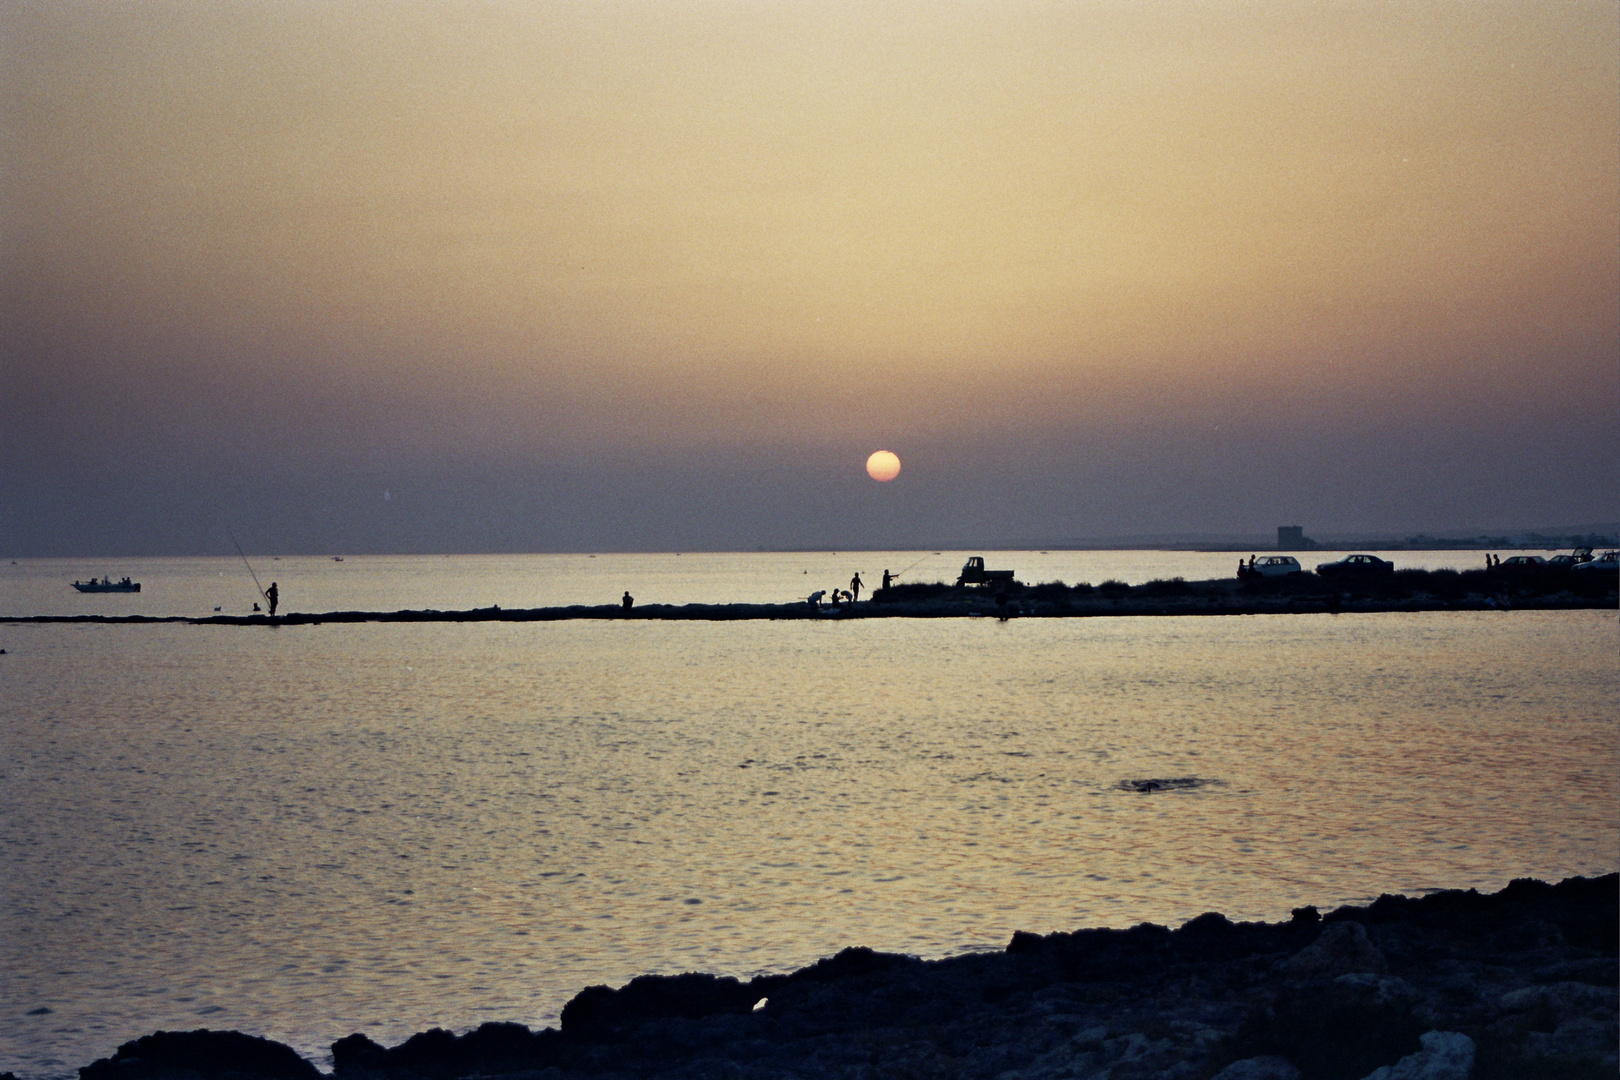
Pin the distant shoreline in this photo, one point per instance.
(1598, 536)
(1404, 591)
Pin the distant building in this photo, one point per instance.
(1293, 538)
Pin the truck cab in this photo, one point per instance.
(974, 573)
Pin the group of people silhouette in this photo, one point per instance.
(852, 594)
(834, 598)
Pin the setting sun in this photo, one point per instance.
(883, 465)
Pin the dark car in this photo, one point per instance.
(1523, 564)
(1355, 564)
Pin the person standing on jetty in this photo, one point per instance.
(855, 588)
(271, 596)
(888, 577)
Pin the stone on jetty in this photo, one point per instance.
(1343, 948)
(1446, 1055)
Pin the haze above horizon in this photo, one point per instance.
(478, 276)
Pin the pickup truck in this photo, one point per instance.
(974, 573)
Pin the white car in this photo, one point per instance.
(1608, 561)
(1275, 566)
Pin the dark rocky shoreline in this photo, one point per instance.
(1516, 984)
(1404, 590)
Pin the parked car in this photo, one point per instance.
(1355, 564)
(1523, 563)
(1267, 566)
(1563, 562)
(1608, 562)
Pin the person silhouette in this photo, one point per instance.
(628, 601)
(272, 594)
(855, 587)
(888, 577)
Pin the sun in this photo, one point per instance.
(883, 465)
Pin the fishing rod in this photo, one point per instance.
(924, 559)
(247, 564)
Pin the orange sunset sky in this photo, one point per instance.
(603, 275)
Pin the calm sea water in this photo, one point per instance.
(307, 831)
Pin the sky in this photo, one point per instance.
(608, 275)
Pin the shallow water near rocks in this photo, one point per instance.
(308, 831)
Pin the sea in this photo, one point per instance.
(306, 831)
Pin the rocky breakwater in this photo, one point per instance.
(1516, 984)
(1403, 590)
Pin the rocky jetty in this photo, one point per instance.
(1403, 590)
(1516, 984)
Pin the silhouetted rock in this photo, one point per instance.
(1521, 983)
(1444, 1055)
(493, 1049)
(201, 1055)
(1337, 1030)
(1264, 1067)
(597, 1012)
(1340, 949)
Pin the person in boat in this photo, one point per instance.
(272, 594)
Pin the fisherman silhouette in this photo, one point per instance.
(628, 601)
(887, 577)
(855, 587)
(272, 594)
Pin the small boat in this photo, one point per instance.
(107, 585)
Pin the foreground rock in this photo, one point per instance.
(1520, 983)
